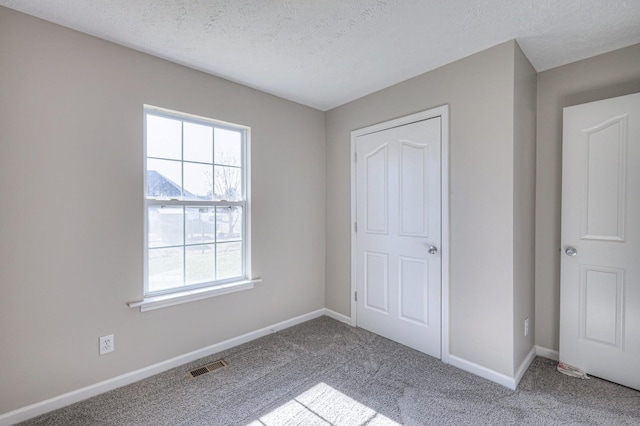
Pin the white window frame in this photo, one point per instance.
(177, 295)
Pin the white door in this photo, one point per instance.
(600, 290)
(398, 263)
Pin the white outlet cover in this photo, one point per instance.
(107, 344)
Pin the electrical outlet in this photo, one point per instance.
(107, 344)
(526, 327)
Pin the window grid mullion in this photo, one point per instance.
(241, 241)
(187, 161)
(165, 247)
(213, 158)
(215, 209)
(215, 247)
(213, 178)
(194, 203)
(184, 210)
(243, 177)
(184, 246)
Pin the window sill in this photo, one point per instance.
(166, 300)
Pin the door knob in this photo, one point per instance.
(571, 251)
(433, 250)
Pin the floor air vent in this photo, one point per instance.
(216, 365)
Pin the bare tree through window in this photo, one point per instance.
(225, 184)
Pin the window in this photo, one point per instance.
(196, 211)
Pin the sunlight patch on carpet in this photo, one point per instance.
(323, 405)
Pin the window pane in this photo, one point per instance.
(163, 179)
(198, 183)
(164, 137)
(228, 147)
(228, 183)
(201, 225)
(165, 268)
(229, 223)
(165, 226)
(229, 260)
(200, 264)
(198, 143)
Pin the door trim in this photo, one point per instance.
(443, 113)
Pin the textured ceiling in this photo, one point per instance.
(324, 53)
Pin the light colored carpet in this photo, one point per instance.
(324, 372)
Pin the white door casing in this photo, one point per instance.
(397, 205)
(600, 253)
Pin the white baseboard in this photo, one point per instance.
(72, 397)
(492, 375)
(525, 365)
(337, 316)
(484, 372)
(547, 353)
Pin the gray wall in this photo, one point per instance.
(480, 92)
(524, 171)
(71, 228)
(605, 76)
